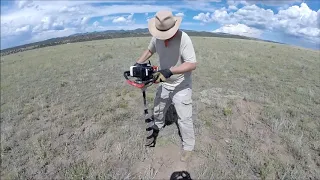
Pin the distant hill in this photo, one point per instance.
(109, 34)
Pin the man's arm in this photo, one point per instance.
(184, 67)
(145, 56)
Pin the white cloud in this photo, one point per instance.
(119, 20)
(47, 22)
(72, 9)
(203, 17)
(72, 12)
(186, 23)
(23, 29)
(254, 16)
(232, 7)
(127, 20)
(22, 4)
(85, 20)
(201, 5)
(236, 2)
(221, 16)
(180, 14)
(69, 16)
(58, 25)
(240, 29)
(203, 0)
(299, 21)
(273, 2)
(108, 18)
(96, 24)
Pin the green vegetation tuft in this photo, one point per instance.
(227, 111)
(77, 171)
(123, 104)
(104, 57)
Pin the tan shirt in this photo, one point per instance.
(180, 49)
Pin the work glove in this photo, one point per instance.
(162, 75)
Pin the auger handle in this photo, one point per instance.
(125, 74)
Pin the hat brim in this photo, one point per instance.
(163, 35)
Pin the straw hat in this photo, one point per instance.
(164, 25)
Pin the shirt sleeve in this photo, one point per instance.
(152, 45)
(188, 54)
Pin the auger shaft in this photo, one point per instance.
(152, 130)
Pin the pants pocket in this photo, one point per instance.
(186, 101)
(183, 104)
(185, 96)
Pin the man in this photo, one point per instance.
(177, 59)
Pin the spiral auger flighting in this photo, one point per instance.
(143, 73)
(152, 129)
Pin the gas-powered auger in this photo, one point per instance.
(143, 74)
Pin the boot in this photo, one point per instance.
(185, 156)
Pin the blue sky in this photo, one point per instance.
(294, 22)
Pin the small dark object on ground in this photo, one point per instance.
(180, 175)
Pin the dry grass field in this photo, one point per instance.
(67, 113)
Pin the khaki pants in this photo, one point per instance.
(182, 101)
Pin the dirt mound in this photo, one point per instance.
(235, 126)
(164, 159)
(217, 97)
(244, 114)
(231, 105)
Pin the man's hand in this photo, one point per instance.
(162, 75)
(137, 64)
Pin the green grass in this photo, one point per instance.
(67, 113)
(227, 111)
(77, 171)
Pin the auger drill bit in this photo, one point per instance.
(152, 129)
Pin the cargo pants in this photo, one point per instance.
(182, 101)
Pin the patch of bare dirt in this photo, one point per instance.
(163, 161)
(244, 114)
(218, 97)
(246, 118)
(235, 127)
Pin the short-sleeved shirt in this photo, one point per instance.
(179, 50)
